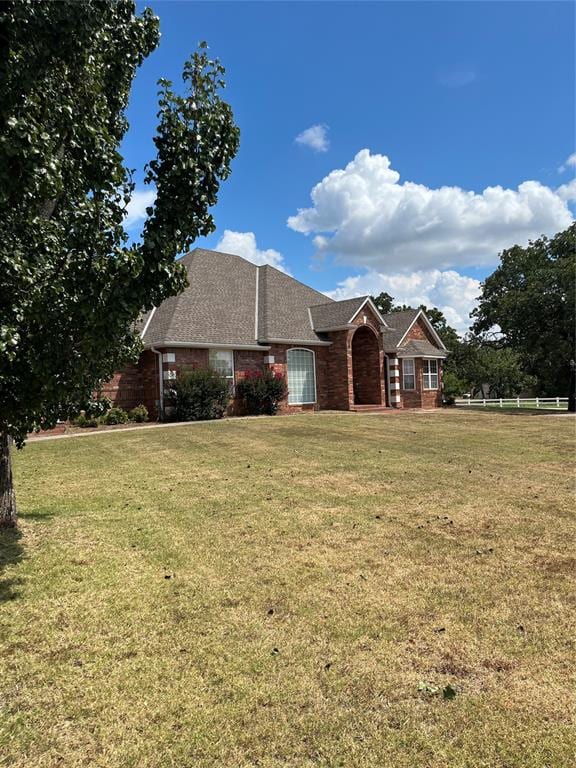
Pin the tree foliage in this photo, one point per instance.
(530, 300)
(71, 285)
(384, 302)
(485, 370)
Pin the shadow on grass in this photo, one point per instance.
(11, 553)
(36, 516)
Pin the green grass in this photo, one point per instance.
(272, 592)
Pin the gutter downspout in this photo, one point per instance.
(160, 374)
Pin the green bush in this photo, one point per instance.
(138, 414)
(453, 387)
(115, 416)
(97, 406)
(261, 392)
(199, 394)
(85, 421)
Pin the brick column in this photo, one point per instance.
(394, 373)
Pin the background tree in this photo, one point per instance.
(384, 302)
(71, 286)
(530, 300)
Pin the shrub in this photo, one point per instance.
(85, 421)
(453, 387)
(139, 414)
(261, 392)
(97, 406)
(199, 394)
(115, 416)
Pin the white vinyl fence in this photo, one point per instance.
(516, 402)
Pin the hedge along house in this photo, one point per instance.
(237, 317)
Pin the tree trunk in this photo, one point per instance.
(8, 515)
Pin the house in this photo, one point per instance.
(237, 317)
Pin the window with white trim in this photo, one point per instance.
(408, 374)
(430, 374)
(301, 377)
(222, 361)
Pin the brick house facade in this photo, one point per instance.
(241, 318)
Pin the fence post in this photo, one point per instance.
(557, 402)
(518, 402)
(537, 403)
(483, 401)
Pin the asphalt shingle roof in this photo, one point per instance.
(398, 323)
(336, 314)
(232, 302)
(220, 304)
(420, 348)
(283, 307)
(218, 307)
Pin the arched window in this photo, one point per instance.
(301, 377)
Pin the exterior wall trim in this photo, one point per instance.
(143, 333)
(375, 309)
(305, 342)
(201, 345)
(347, 327)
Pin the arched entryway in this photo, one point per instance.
(366, 369)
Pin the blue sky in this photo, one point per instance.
(446, 99)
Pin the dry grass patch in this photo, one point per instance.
(294, 592)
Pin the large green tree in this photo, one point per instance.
(71, 285)
(528, 305)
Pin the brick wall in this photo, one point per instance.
(420, 397)
(279, 352)
(337, 392)
(135, 384)
(420, 331)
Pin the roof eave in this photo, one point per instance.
(309, 342)
(206, 345)
(374, 308)
(429, 325)
(328, 329)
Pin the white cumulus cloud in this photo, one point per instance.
(315, 137)
(136, 208)
(363, 215)
(570, 162)
(244, 244)
(567, 191)
(447, 290)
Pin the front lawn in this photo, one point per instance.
(294, 592)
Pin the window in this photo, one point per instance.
(301, 377)
(222, 361)
(408, 374)
(430, 374)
